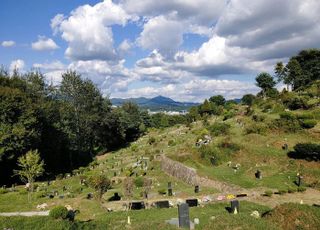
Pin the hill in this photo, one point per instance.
(158, 103)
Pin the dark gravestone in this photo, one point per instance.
(234, 206)
(50, 196)
(192, 202)
(299, 180)
(137, 205)
(115, 197)
(170, 189)
(89, 196)
(183, 213)
(196, 189)
(242, 195)
(285, 146)
(114, 173)
(258, 174)
(162, 204)
(213, 161)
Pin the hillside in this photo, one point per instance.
(158, 103)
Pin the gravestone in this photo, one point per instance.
(234, 206)
(285, 146)
(213, 161)
(89, 196)
(55, 193)
(192, 202)
(299, 180)
(242, 195)
(137, 205)
(196, 189)
(114, 173)
(170, 189)
(115, 197)
(162, 204)
(258, 174)
(183, 215)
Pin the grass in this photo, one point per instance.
(213, 216)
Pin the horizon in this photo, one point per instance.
(181, 50)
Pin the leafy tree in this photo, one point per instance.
(295, 76)
(248, 99)
(218, 100)
(31, 167)
(100, 184)
(265, 81)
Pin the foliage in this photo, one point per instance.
(31, 167)
(219, 128)
(100, 184)
(308, 123)
(308, 151)
(268, 193)
(218, 100)
(59, 212)
(258, 128)
(138, 182)
(151, 140)
(265, 82)
(248, 99)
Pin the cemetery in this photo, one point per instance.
(156, 178)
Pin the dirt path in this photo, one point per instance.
(41, 213)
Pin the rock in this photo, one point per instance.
(42, 206)
(68, 207)
(255, 214)
(196, 221)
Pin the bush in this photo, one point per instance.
(301, 189)
(59, 212)
(138, 182)
(100, 184)
(292, 190)
(268, 193)
(162, 191)
(219, 128)
(3, 191)
(297, 103)
(258, 118)
(307, 151)
(258, 128)
(23, 191)
(308, 124)
(151, 140)
(171, 143)
(282, 191)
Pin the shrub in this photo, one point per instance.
(268, 193)
(301, 189)
(258, 118)
(59, 212)
(3, 190)
(219, 128)
(282, 191)
(258, 128)
(308, 124)
(138, 182)
(162, 191)
(297, 103)
(100, 183)
(171, 143)
(292, 190)
(23, 191)
(229, 114)
(151, 140)
(134, 148)
(41, 194)
(307, 151)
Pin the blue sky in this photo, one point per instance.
(187, 50)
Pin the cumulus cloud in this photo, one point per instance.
(44, 43)
(8, 43)
(55, 65)
(87, 30)
(17, 65)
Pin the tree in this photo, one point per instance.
(100, 184)
(280, 71)
(295, 76)
(218, 100)
(128, 186)
(31, 167)
(248, 99)
(265, 81)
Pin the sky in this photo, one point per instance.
(188, 50)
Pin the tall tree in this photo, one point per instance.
(265, 81)
(218, 100)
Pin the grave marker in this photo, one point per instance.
(234, 206)
(183, 213)
(196, 189)
(192, 202)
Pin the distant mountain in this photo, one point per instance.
(158, 103)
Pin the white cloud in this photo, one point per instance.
(162, 34)
(87, 30)
(44, 43)
(8, 43)
(18, 65)
(55, 65)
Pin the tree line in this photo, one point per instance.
(68, 124)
